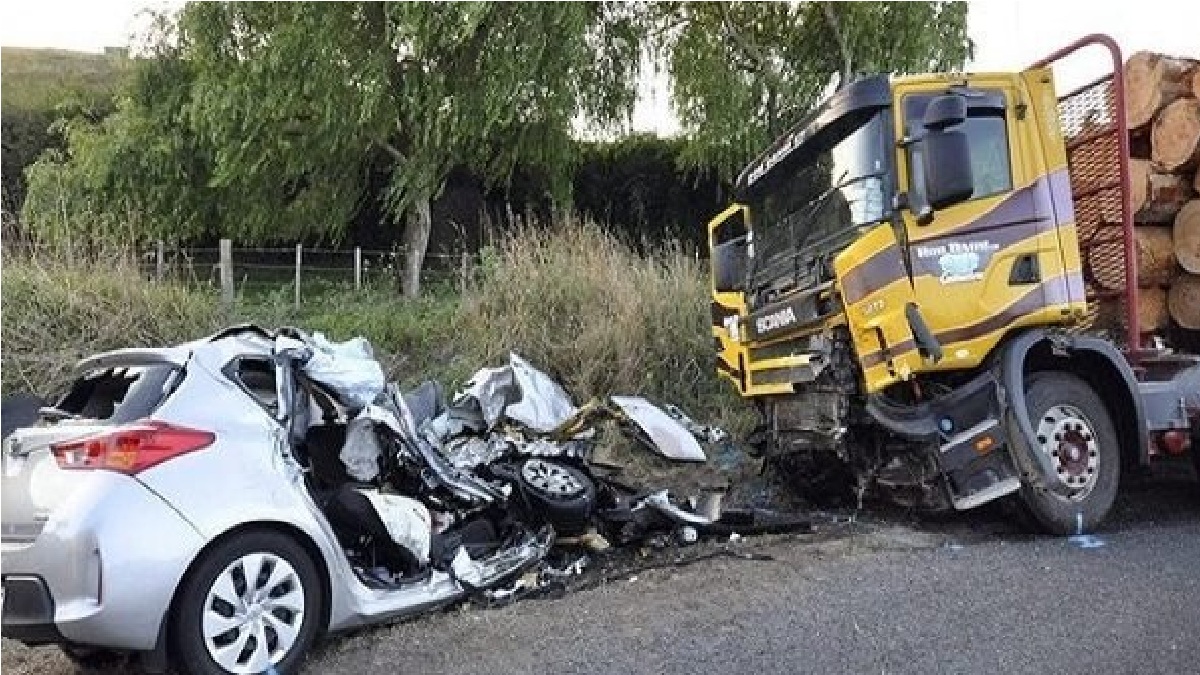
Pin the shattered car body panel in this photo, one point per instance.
(664, 434)
(543, 404)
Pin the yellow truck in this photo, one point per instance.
(906, 287)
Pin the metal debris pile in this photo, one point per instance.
(514, 447)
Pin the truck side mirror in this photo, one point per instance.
(946, 157)
(729, 266)
(945, 111)
(947, 160)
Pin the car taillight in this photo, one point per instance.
(131, 449)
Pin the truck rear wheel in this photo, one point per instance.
(1073, 427)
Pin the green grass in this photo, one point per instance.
(578, 302)
(41, 79)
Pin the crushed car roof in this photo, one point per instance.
(221, 347)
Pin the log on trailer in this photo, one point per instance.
(1155, 257)
(1183, 301)
(1153, 81)
(1156, 197)
(1175, 140)
(1186, 234)
(1152, 309)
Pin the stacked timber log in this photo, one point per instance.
(1163, 117)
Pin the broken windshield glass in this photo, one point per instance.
(843, 184)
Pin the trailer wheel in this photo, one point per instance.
(1072, 425)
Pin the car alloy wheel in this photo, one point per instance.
(253, 613)
(552, 479)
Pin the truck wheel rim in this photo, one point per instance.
(1065, 434)
(551, 479)
(253, 613)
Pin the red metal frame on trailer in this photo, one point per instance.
(1097, 139)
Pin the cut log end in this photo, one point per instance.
(1186, 235)
(1139, 183)
(1152, 310)
(1175, 140)
(1156, 197)
(1183, 301)
(1155, 259)
(1152, 81)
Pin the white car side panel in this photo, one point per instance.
(112, 556)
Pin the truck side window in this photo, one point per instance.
(731, 228)
(987, 135)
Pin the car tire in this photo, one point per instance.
(559, 494)
(283, 603)
(1073, 426)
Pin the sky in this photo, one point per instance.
(1008, 34)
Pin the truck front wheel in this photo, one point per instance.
(1072, 426)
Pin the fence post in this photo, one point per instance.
(160, 260)
(226, 273)
(358, 268)
(299, 257)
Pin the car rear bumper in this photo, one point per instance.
(103, 570)
(29, 610)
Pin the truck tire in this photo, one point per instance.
(264, 592)
(1073, 426)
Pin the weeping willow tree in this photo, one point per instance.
(277, 111)
(743, 72)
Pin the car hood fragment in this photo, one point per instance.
(659, 431)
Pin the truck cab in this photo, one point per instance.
(902, 287)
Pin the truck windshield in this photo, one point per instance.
(843, 182)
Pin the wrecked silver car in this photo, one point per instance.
(217, 505)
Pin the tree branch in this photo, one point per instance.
(752, 50)
(835, 26)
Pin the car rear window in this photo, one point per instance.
(120, 395)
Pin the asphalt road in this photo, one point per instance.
(963, 596)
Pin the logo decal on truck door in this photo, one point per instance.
(959, 261)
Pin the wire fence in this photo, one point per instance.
(299, 271)
(296, 272)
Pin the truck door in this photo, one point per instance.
(992, 262)
(878, 296)
(728, 239)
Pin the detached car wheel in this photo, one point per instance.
(252, 604)
(1073, 428)
(563, 495)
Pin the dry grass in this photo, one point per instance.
(57, 310)
(602, 316)
(574, 299)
